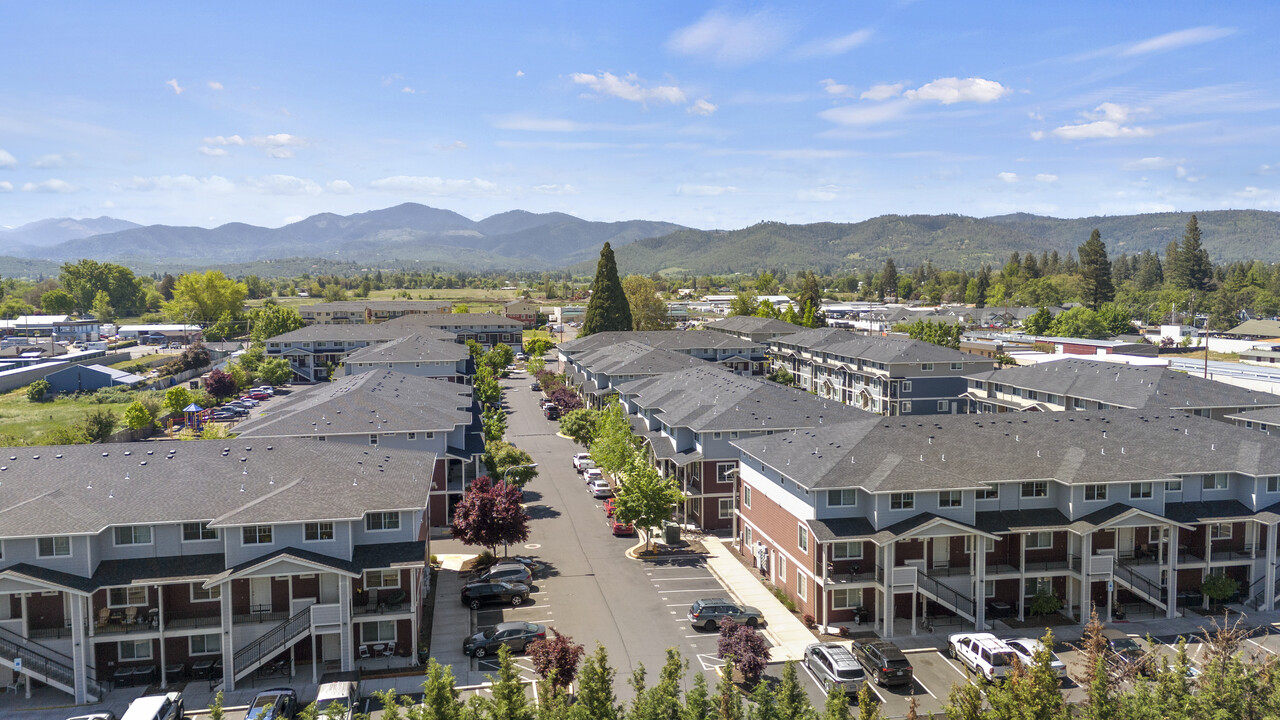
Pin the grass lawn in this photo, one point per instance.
(22, 421)
(477, 299)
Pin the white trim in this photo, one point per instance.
(115, 538)
(215, 591)
(802, 533)
(182, 531)
(191, 651)
(333, 533)
(778, 548)
(127, 602)
(135, 643)
(257, 533)
(384, 513)
(365, 579)
(70, 550)
(395, 627)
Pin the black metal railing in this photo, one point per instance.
(46, 662)
(251, 655)
(946, 595)
(1140, 583)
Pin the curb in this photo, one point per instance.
(633, 551)
(765, 630)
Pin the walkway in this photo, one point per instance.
(451, 621)
(788, 635)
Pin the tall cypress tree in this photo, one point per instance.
(608, 309)
(1095, 270)
(1195, 259)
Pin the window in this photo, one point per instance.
(133, 535)
(373, 438)
(746, 496)
(1220, 531)
(802, 587)
(1273, 483)
(125, 596)
(1039, 488)
(382, 579)
(210, 644)
(200, 594)
(134, 650)
(726, 508)
(902, 501)
(1079, 403)
(723, 471)
(53, 546)
(926, 367)
(957, 366)
(195, 532)
(906, 407)
(371, 632)
(988, 544)
(1139, 491)
(382, 521)
(746, 536)
(906, 386)
(1217, 481)
(950, 499)
(991, 492)
(989, 588)
(317, 531)
(1173, 486)
(842, 498)
(845, 599)
(943, 406)
(413, 436)
(802, 538)
(1095, 492)
(1038, 585)
(1042, 540)
(846, 551)
(256, 535)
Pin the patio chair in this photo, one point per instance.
(13, 687)
(364, 651)
(390, 650)
(394, 600)
(130, 615)
(104, 614)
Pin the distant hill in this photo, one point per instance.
(410, 232)
(949, 241)
(43, 233)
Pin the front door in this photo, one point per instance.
(941, 552)
(260, 594)
(1124, 542)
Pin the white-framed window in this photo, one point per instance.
(373, 438)
(1139, 490)
(413, 436)
(943, 406)
(1038, 488)
(990, 492)
(1042, 540)
(372, 632)
(376, 521)
(989, 588)
(198, 532)
(134, 650)
(126, 596)
(957, 366)
(201, 594)
(1220, 531)
(715, 436)
(132, 535)
(1173, 486)
(59, 546)
(906, 407)
(906, 386)
(1095, 492)
(846, 551)
(723, 470)
(210, 644)
(382, 579)
(926, 367)
(847, 497)
(317, 532)
(746, 535)
(1037, 585)
(1273, 483)
(726, 508)
(256, 535)
(845, 599)
(802, 587)
(802, 538)
(902, 501)
(1079, 403)
(950, 499)
(1216, 481)
(746, 496)
(988, 544)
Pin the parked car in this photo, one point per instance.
(552, 412)
(622, 528)
(344, 694)
(579, 459)
(237, 409)
(1026, 648)
(608, 507)
(884, 661)
(983, 653)
(534, 386)
(481, 593)
(1126, 653)
(515, 635)
(258, 395)
(708, 613)
(248, 401)
(512, 572)
(592, 474)
(834, 667)
(600, 488)
(269, 391)
(273, 704)
(521, 357)
(225, 415)
(156, 707)
(239, 405)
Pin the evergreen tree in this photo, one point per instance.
(766, 705)
(1193, 269)
(439, 695)
(810, 293)
(1150, 274)
(1030, 268)
(697, 701)
(1038, 322)
(728, 701)
(1095, 271)
(888, 281)
(508, 701)
(793, 701)
(607, 310)
(984, 284)
(595, 697)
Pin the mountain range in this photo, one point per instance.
(411, 234)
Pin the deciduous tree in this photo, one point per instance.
(269, 321)
(37, 390)
(205, 297)
(744, 649)
(220, 384)
(648, 311)
(556, 659)
(607, 310)
(580, 425)
(490, 514)
(57, 302)
(644, 498)
(137, 417)
(276, 371)
(614, 445)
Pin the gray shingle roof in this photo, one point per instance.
(1139, 387)
(378, 401)
(83, 489)
(878, 348)
(370, 332)
(634, 358)
(750, 324)
(450, 319)
(955, 452)
(412, 348)
(360, 305)
(1270, 415)
(148, 571)
(667, 339)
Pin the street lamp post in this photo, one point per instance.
(507, 473)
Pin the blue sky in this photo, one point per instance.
(710, 115)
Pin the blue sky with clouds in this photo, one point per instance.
(711, 115)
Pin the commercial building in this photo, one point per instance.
(347, 312)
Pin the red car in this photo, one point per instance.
(258, 396)
(621, 528)
(608, 507)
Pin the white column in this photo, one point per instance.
(1172, 561)
(413, 610)
(228, 652)
(164, 676)
(887, 610)
(1086, 584)
(1271, 567)
(1208, 558)
(980, 581)
(314, 664)
(824, 558)
(1022, 577)
(79, 648)
(344, 612)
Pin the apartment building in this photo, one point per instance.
(596, 373)
(882, 374)
(690, 417)
(888, 519)
(357, 312)
(524, 311)
(759, 330)
(388, 409)
(140, 563)
(417, 355)
(744, 357)
(1079, 384)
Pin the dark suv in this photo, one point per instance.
(885, 662)
(273, 704)
(708, 613)
(477, 594)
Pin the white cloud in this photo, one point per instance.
(834, 88)
(864, 114)
(283, 185)
(215, 85)
(408, 90)
(836, 46)
(702, 107)
(791, 153)
(212, 152)
(629, 88)
(279, 145)
(1008, 177)
(341, 187)
(1108, 122)
(1037, 134)
(554, 189)
(214, 183)
(882, 92)
(731, 40)
(388, 80)
(450, 147)
(1262, 169)
(1179, 39)
(220, 140)
(953, 90)
(705, 190)
(434, 185)
(1152, 163)
(1262, 197)
(1182, 173)
(7, 160)
(1046, 178)
(50, 186)
(177, 89)
(6, 186)
(519, 73)
(826, 193)
(54, 160)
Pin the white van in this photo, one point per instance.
(155, 707)
(342, 693)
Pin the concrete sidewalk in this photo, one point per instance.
(788, 635)
(451, 620)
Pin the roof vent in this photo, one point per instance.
(103, 455)
(149, 452)
(58, 456)
(127, 453)
(144, 462)
(35, 457)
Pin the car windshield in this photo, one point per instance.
(1001, 659)
(488, 634)
(262, 709)
(1125, 645)
(849, 673)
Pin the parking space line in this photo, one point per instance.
(1260, 645)
(916, 680)
(701, 590)
(963, 673)
(700, 577)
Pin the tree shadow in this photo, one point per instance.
(541, 512)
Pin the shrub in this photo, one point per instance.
(745, 649)
(1044, 603)
(37, 390)
(111, 396)
(783, 598)
(809, 620)
(483, 561)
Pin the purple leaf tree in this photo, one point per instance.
(490, 515)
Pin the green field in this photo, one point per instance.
(22, 421)
(477, 299)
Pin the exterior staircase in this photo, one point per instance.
(1140, 585)
(44, 664)
(281, 637)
